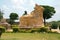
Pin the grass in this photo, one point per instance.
(30, 36)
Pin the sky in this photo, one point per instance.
(19, 6)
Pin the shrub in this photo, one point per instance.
(59, 26)
(2, 29)
(43, 29)
(14, 25)
(22, 31)
(15, 30)
(33, 30)
(54, 25)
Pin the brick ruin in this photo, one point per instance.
(4, 23)
(34, 19)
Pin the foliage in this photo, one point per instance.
(25, 30)
(33, 30)
(54, 25)
(2, 29)
(13, 16)
(1, 15)
(48, 12)
(29, 30)
(43, 29)
(21, 30)
(15, 30)
(59, 24)
(11, 21)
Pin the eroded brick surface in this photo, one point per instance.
(34, 19)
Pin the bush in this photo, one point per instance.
(30, 30)
(38, 30)
(43, 29)
(59, 26)
(15, 30)
(22, 30)
(54, 25)
(15, 26)
(2, 29)
(33, 30)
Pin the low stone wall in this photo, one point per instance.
(55, 30)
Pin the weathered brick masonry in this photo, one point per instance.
(34, 19)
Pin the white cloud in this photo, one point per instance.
(23, 4)
(18, 2)
(32, 2)
(18, 8)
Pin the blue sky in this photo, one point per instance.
(19, 6)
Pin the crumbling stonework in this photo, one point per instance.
(34, 19)
(5, 24)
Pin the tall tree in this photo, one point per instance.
(48, 12)
(1, 15)
(13, 16)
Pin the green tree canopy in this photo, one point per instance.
(13, 16)
(48, 12)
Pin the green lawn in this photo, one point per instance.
(30, 36)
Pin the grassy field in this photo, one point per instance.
(30, 36)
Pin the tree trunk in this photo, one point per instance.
(44, 21)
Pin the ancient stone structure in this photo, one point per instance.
(34, 19)
(5, 24)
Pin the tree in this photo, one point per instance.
(25, 13)
(13, 16)
(1, 15)
(48, 12)
(54, 25)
